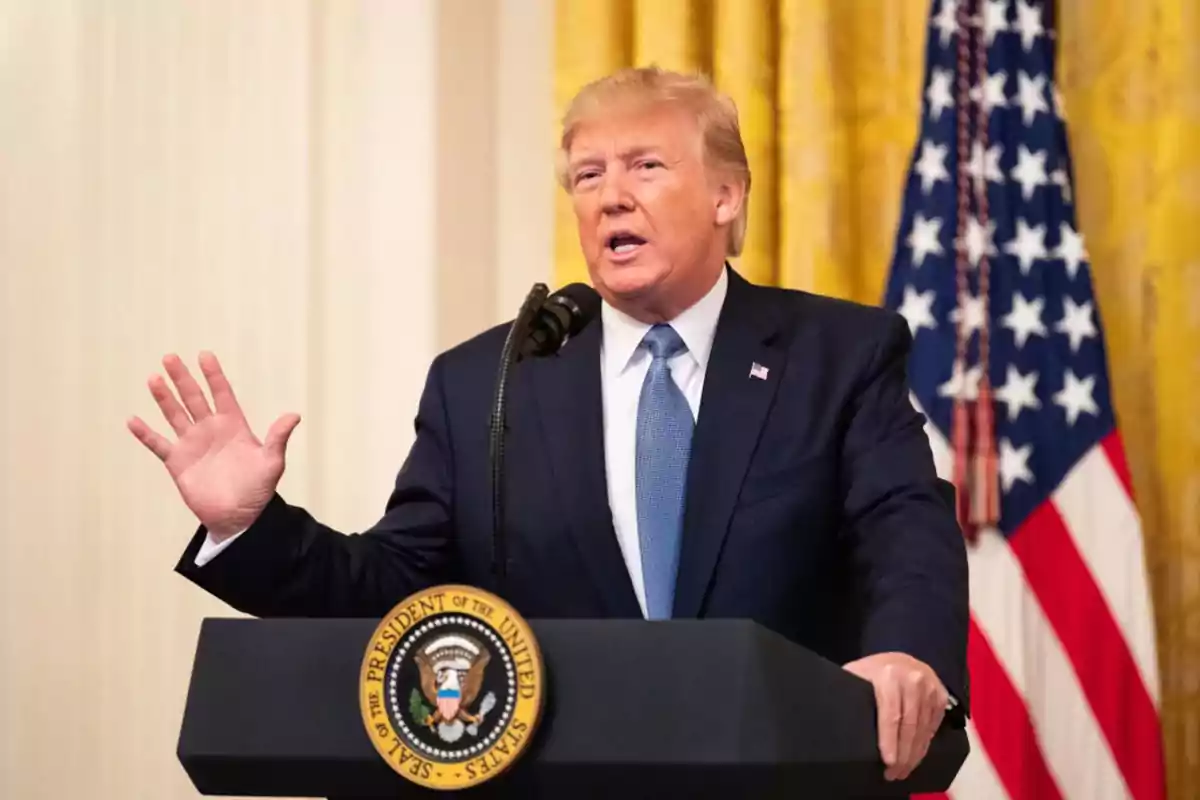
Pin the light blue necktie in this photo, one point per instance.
(664, 443)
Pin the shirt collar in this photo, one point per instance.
(697, 326)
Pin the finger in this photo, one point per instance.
(933, 711)
(189, 391)
(154, 442)
(887, 701)
(174, 414)
(857, 668)
(224, 400)
(911, 695)
(280, 432)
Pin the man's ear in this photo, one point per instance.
(730, 195)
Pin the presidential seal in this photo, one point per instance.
(451, 687)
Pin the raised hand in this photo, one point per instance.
(225, 475)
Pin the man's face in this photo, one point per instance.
(652, 219)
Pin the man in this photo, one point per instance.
(709, 448)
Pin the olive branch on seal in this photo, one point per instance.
(417, 708)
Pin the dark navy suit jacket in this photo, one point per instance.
(812, 507)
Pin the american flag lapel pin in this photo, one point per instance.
(757, 370)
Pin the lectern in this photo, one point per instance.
(680, 709)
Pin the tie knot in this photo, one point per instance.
(663, 342)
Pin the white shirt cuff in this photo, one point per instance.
(210, 549)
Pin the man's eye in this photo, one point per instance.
(650, 164)
(585, 175)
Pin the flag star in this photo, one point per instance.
(1029, 23)
(970, 313)
(1025, 318)
(1070, 248)
(991, 92)
(1018, 392)
(931, 166)
(1031, 96)
(946, 21)
(995, 19)
(1028, 244)
(1030, 170)
(1059, 179)
(978, 240)
(985, 165)
(1076, 323)
(1076, 396)
(925, 238)
(967, 386)
(938, 93)
(1014, 464)
(917, 308)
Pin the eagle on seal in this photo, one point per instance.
(451, 669)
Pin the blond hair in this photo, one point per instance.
(714, 112)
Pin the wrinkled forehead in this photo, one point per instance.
(633, 126)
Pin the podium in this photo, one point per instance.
(685, 708)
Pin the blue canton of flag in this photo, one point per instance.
(1047, 359)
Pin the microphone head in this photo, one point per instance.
(581, 302)
(564, 314)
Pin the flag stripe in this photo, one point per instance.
(1076, 610)
(1096, 509)
(1025, 645)
(1114, 448)
(1005, 729)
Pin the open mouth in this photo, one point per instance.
(624, 243)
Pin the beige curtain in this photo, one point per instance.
(291, 185)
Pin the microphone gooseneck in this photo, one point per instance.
(518, 332)
(541, 328)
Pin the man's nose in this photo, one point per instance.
(614, 196)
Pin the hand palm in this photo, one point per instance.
(220, 465)
(225, 475)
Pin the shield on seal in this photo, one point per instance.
(449, 695)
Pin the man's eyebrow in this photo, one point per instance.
(639, 150)
(628, 154)
(585, 160)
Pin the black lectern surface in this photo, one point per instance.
(688, 708)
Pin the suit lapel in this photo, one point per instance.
(569, 399)
(733, 408)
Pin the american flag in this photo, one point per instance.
(992, 274)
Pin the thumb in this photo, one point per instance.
(280, 432)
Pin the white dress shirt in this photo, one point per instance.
(623, 367)
(210, 549)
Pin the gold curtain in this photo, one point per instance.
(829, 93)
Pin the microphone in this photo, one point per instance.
(541, 328)
(563, 315)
